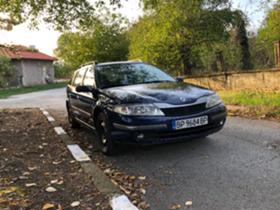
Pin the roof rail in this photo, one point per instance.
(89, 63)
(135, 60)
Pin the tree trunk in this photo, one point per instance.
(186, 60)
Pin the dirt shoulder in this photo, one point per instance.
(132, 185)
(37, 171)
(255, 112)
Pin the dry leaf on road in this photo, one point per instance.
(51, 189)
(47, 206)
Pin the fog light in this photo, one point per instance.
(222, 122)
(140, 136)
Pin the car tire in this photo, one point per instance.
(108, 147)
(72, 121)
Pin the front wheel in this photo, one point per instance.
(108, 147)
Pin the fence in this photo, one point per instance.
(250, 80)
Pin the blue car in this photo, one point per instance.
(137, 103)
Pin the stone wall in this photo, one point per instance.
(252, 80)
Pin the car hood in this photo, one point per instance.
(168, 92)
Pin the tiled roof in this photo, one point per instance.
(22, 52)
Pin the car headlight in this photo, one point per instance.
(213, 100)
(138, 110)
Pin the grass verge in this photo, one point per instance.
(251, 98)
(10, 92)
(252, 103)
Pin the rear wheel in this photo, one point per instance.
(108, 147)
(72, 121)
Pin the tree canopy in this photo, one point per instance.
(60, 14)
(177, 33)
(268, 34)
(102, 43)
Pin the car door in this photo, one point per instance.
(74, 96)
(87, 101)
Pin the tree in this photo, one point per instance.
(172, 31)
(242, 41)
(102, 43)
(269, 33)
(60, 14)
(6, 69)
(62, 70)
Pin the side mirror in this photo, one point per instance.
(84, 89)
(95, 92)
(179, 79)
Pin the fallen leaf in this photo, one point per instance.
(32, 168)
(132, 177)
(60, 182)
(188, 203)
(176, 206)
(75, 204)
(51, 189)
(143, 205)
(143, 191)
(26, 173)
(47, 206)
(23, 177)
(107, 171)
(30, 184)
(54, 181)
(141, 177)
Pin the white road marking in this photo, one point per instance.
(50, 119)
(60, 131)
(121, 202)
(78, 153)
(45, 113)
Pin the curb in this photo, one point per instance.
(118, 200)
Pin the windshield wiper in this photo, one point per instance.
(157, 81)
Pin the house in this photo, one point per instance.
(31, 66)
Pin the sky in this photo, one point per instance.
(45, 38)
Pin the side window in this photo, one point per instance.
(79, 77)
(73, 78)
(89, 77)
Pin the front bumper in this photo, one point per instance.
(158, 130)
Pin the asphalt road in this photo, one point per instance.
(52, 99)
(237, 168)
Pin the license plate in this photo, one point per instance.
(190, 123)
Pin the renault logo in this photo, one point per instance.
(188, 100)
(182, 99)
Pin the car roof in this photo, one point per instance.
(117, 63)
(108, 63)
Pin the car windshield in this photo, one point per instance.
(114, 75)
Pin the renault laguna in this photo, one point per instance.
(138, 103)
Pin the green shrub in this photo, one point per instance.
(6, 69)
(62, 71)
